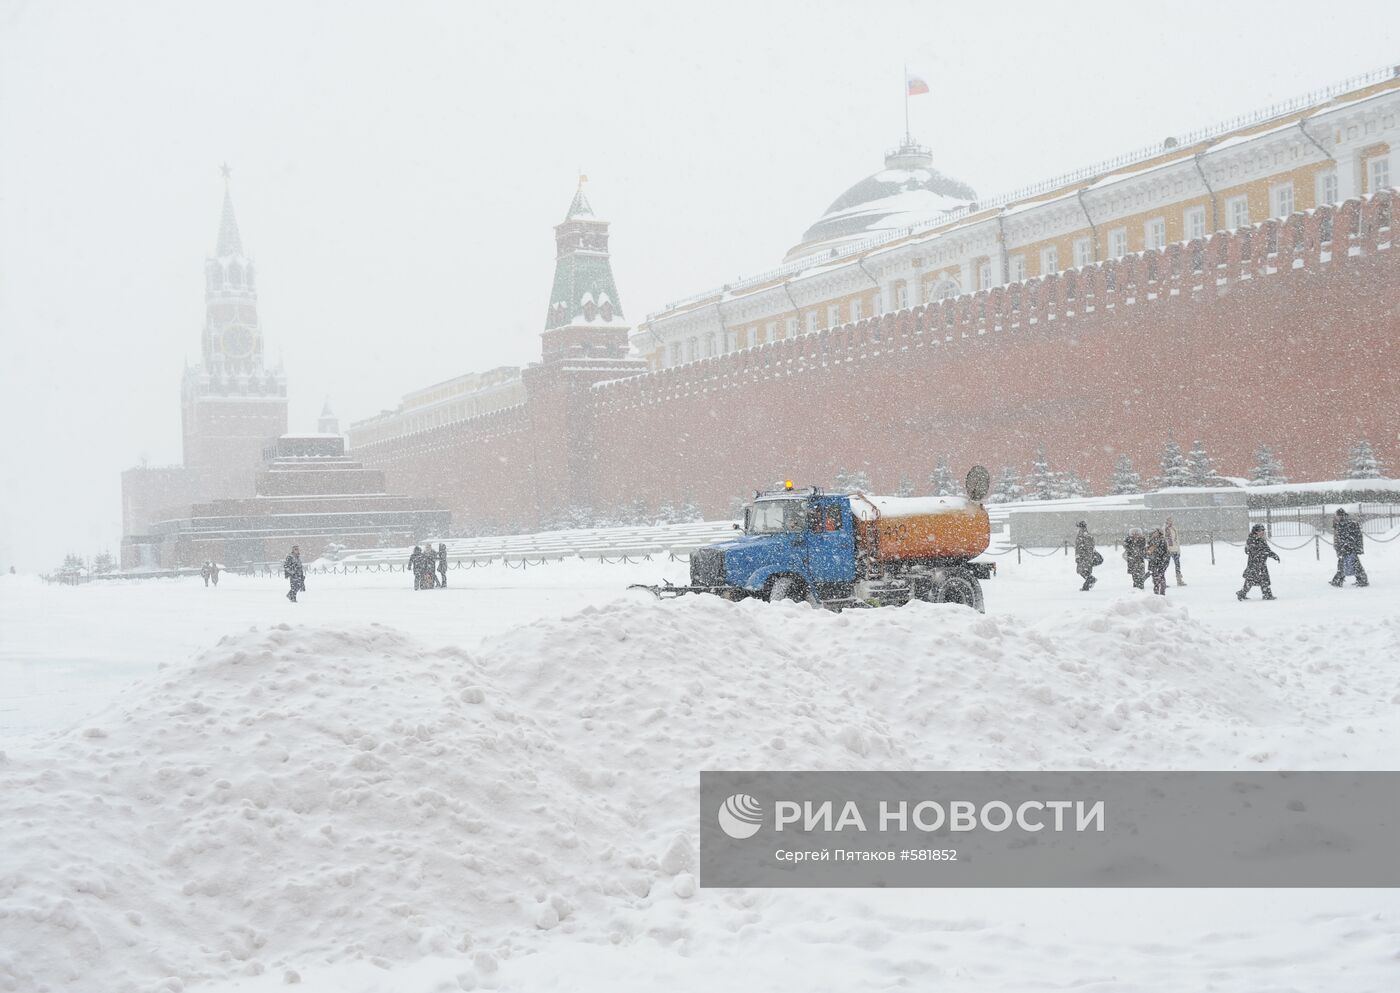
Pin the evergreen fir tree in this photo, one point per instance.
(906, 487)
(1043, 483)
(1201, 467)
(1125, 478)
(943, 482)
(1268, 468)
(1362, 462)
(689, 512)
(1175, 472)
(1007, 488)
(851, 481)
(1071, 484)
(103, 564)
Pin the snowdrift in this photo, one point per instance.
(296, 796)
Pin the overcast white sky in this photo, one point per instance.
(398, 168)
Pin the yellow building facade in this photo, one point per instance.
(918, 236)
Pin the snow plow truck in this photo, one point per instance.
(850, 549)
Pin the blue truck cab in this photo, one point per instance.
(795, 544)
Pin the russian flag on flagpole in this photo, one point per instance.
(915, 85)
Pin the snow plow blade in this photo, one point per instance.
(667, 591)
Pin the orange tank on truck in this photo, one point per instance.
(894, 529)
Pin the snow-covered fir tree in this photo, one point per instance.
(1071, 484)
(1268, 468)
(1044, 482)
(1201, 467)
(689, 512)
(1007, 488)
(905, 488)
(1125, 478)
(848, 481)
(943, 482)
(1362, 462)
(1175, 471)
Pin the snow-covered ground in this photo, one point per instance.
(494, 785)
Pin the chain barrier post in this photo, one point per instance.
(1018, 553)
(1317, 547)
(1212, 549)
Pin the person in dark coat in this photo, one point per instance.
(442, 564)
(292, 569)
(1256, 571)
(214, 572)
(1085, 556)
(415, 565)
(204, 571)
(1350, 542)
(1159, 557)
(1135, 553)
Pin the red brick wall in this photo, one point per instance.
(1277, 335)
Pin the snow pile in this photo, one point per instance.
(298, 796)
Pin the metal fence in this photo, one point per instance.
(1306, 521)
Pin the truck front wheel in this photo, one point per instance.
(963, 589)
(789, 588)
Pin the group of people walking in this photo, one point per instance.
(429, 568)
(210, 571)
(1151, 554)
(1145, 555)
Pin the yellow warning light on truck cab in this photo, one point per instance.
(787, 484)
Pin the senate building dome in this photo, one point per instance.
(908, 191)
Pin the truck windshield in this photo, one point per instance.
(772, 516)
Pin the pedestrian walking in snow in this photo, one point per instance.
(442, 565)
(1158, 558)
(1256, 571)
(292, 569)
(214, 572)
(1350, 543)
(415, 566)
(204, 571)
(1085, 556)
(1135, 554)
(1174, 548)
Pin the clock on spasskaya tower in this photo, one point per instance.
(232, 404)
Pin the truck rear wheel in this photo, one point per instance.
(962, 589)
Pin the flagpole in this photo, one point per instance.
(906, 103)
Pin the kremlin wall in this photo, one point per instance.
(1285, 333)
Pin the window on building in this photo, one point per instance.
(811, 320)
(693, 350)
(1281, 199)
(1193, 223)
(833, 314)
(984, 276)
(1018, 268)
(791, 327)
(1118, 243)
(1154, 233)
(1237, 212)
(1049, 260)
(855, 310)
(900, 294)
(1377, 178)
(710, 345)
(1327, 187)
